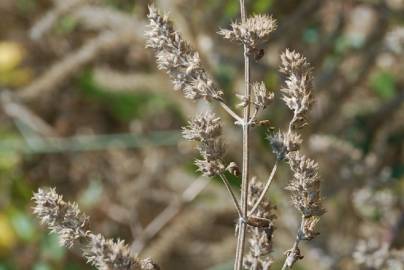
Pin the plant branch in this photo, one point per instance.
(171, 211)
(253, 116)
(233, 196)
(293, 254)
(231, 112)
(268, 183)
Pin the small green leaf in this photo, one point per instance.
(383, 84)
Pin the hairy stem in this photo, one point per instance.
(268, 183)
(245, 171)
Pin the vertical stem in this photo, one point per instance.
(245, 171)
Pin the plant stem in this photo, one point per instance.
(245, 170)
(231, 112)
(292, 260)
(233, 196)
(268, 183)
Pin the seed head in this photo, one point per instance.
(106, 254)
(252, 32)
(284, 143)
(260, 238)
(178, 59)
(203, 127)
(298, 85)
(305, 185)
(262, 97)
(62, 218)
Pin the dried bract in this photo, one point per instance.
(106, 254)
(298, 85)
(305, 185)
(62, 218)
(293, 62)
(210, 167)
(284, 143)
(252, 32)
(203, 127)
(176, 57)
(207, 128)
(262, 96)
(260, 238)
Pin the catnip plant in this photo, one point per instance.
(256, 213)
(256, 221)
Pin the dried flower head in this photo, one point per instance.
(210, 167)
(262, 96)
(211, 149)
(284, 143)
(305, 185)
(293, 62)
(62, 218)
(260, 238)
(298, 85)
(309, 228)
(203, 127)
(207, 128)
(253, 31)
(65, 219)
(176, 57)
(106, 254)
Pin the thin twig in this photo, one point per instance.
(294, 248)
(231, 112)
(245, 170)
(253, 116)
(233, 196)
(159, 222)
(268, 183)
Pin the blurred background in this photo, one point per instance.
(84, 109)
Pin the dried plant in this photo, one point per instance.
(70, 224)
(183, 65)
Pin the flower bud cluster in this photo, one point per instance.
(206, 129)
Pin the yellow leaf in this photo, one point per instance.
(7, 235)
(11, 55)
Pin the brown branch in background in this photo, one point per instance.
(46, 22)
(168, 214)
(71, 63)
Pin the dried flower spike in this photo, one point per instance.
(65, 219)
(207, 128)
(284, 143)
(293, 62)
(62, 218)
(252, 32)
(176, 57)
(298, 85)
(305, 185)
(106, 254)
(203, 127)
(260, 238)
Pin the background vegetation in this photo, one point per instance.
(84, 109)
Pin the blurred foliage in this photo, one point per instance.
(359, 98)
